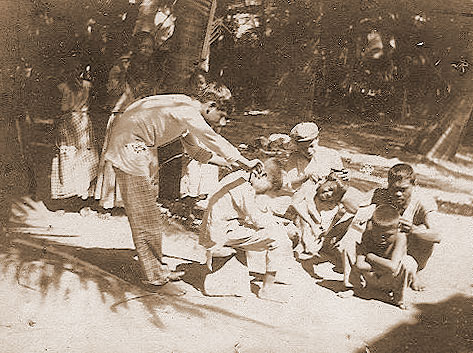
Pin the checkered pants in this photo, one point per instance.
(146, 222)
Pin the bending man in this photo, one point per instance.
(135, 135)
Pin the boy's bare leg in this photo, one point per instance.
(346, 269)
(421, 250)
(402, 282)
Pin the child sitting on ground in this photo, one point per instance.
(321, 207)
(382, 259)
(233, 220)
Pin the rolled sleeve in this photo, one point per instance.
(197, 126)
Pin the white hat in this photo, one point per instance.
(305, 132)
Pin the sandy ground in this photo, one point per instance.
(69, 284)
(59, 296)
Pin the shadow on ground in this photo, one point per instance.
(40, 265)
(446, 326)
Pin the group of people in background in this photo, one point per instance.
(302, 204)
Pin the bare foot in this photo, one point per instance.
(346, 294)
(402, 306)
(176, 275)
(417, 284)
(307, 256)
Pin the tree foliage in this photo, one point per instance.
(382, 59)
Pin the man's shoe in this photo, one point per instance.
(165, 289)
(176, 276)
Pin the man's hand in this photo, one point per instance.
(255, 165)
(405, 225)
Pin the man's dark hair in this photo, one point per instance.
(399, 172)
(220, 94)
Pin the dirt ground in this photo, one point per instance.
(69, 283)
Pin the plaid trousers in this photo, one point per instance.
(146, 222)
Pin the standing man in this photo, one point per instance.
(147, 124)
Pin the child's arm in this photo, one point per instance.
(427, 231)
(362, 264)
(301, 203)
(392, 264)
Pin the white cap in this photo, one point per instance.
(305, 132)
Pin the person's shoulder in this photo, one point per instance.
(175, 101)
(233, 180)
(354, 198)
(380, 196)
(328, 152)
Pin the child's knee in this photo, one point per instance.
(278, 234)
(409, 264)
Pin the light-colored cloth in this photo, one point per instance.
(198, 179)
(74, 166)
(154, 121)
(233, 205)
(107, 190)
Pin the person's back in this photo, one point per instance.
(225, 208)
(234, 220)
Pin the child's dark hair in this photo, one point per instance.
(385, 216)
(401, 171)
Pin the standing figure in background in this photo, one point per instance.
(200, 179)
(74, 166)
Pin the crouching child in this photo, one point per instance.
(382, 261)
(233, 220)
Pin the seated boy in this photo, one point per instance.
(419, 220)
(382, 259)
(419, 216)
(234, 220)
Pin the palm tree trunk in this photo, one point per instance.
(188, 46)
(187, 43)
